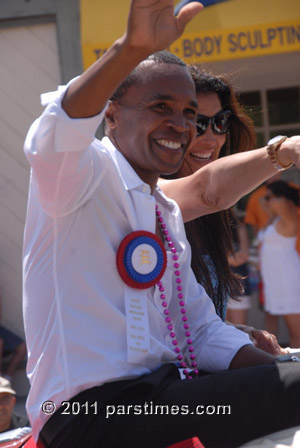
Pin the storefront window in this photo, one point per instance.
(283, 106)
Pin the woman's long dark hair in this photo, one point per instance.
(211, 234)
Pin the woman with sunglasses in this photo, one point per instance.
(279, 259)
(223, 128)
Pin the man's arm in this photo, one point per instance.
(151, 27)
(220, 184)
(250, 356)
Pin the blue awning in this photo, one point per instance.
(204, 3)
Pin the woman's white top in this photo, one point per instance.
(280, 269)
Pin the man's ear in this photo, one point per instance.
(111, 115)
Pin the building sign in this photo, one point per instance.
(240, 42)
(254, 35)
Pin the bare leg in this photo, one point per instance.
(237, 316)
(271, 323)
(293, 323)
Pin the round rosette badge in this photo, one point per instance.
(141, 259)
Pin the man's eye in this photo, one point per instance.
(191, 113)
(161, 106)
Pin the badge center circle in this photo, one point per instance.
(144, 259)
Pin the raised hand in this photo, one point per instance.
(152, 25)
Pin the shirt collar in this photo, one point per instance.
(130, 178)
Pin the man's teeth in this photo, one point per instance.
(202, 156)
(169, 144)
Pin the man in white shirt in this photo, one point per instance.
(110, 314)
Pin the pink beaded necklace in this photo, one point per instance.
(141, 262)
(180, 296)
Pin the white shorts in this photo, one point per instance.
(243, 303)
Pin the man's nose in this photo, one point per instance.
(179, 122)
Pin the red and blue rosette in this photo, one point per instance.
(141, 259)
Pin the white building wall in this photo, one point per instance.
(29, 65)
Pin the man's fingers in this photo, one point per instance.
(188, 12)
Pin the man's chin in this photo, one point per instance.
(171, 170)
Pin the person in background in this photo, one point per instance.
(8, 419)
(279, 259)
(256, 218)
(237, 310)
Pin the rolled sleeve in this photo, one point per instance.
(60, 151)
(56, 132)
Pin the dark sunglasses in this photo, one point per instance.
(219, 122)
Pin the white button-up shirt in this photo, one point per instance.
(84, 198)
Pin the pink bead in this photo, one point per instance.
(176, 265)
(170, 244)
(165, 232)
(192, 356)
(179, 288)
(170, 327)
(172, 334)
(183, 311)
(160, 220)
(158, 212)
(173, 250)
(159, 283)
(194, 364)
(161, 288)
(168, 319)
(180, 357)
(181, 303)
(186, 372)
(178, 280)
(166, 312)
(186, 326)
(164, 304)
(162, 296)
(175, 342)
(188, 334)
(163, 226)
(177, 273)
(184, 318)
(191, 348)
(168, 238)
(196, 371)
(175, 257)
(177, 350)
(189, 341)
(180, 295)
(183, 364)
(156, 207)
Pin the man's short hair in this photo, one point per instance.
(160, 57)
